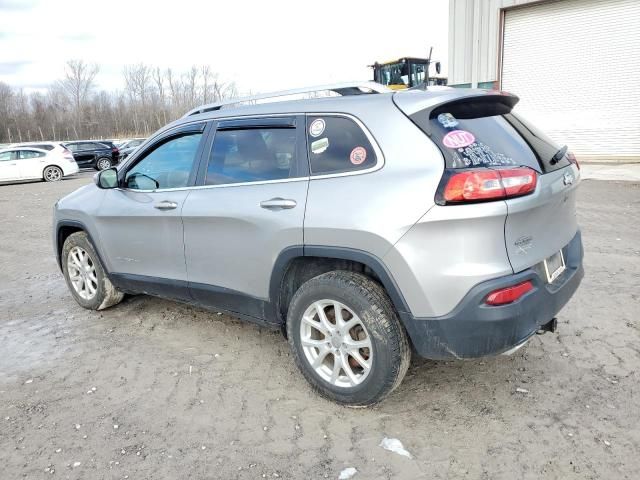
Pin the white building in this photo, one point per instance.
(575, 64)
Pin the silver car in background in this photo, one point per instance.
(365, 226)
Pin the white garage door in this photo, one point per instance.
(576, 67)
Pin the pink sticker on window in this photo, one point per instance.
(358, 155)
(458, 139)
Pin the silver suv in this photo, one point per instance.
(366, 226)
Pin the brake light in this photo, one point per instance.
(572, 158)
(489, 184)
(507, 295)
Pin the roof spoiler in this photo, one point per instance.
(421, 107)
(475, 106)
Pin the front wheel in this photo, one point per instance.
(85, 275)
(346, 338)
(52, 174)
(103, 163)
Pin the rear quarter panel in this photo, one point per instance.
(371, 211)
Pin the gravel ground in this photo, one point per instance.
(156, 389)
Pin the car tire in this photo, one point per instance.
(368, 318)
(103, 163)
(52, 174)
(85, 275)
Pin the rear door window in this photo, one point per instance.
(26, 154)
(252, 155)
(338, 145)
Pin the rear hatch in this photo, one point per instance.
(480, 136)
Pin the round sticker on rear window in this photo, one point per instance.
(458, 139)
(447, 120)
(358, 155)
(316, 128)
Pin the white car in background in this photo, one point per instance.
(30, 163)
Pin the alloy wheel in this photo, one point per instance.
(104, 164)
(82, 273)
(52, 174)
(336, 343)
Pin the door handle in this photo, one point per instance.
(165, 205)
(278, 203)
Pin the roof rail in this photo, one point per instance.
(344, 89)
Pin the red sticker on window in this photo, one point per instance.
(458, 139)
(358, 155)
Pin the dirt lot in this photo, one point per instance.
(155, 389)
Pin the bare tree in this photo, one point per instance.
(70, 107)
(77, 84)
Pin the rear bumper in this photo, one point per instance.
(474, 329)
(71, 168)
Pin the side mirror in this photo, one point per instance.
(437, 67)
(106, 178)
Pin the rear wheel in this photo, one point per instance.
(85, 275)
(52, 174)
(347, 339)
(103, 163)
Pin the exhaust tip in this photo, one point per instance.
(551, 326)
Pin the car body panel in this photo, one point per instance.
(138, 238)
(448, 251)
(540, 224)
(232, 242)
(9, 169)
(32, 167)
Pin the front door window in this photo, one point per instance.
(166, 166)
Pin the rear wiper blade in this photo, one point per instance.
(558, 156)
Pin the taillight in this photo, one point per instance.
(488, 184)
(572, 158)
(507, 295)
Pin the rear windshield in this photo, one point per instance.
(505, 140)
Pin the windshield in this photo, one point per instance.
(394, 74)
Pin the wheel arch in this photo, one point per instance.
(295, 265)
(64, 228)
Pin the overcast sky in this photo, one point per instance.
(262, 45)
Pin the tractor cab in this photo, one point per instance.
(405, 73)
